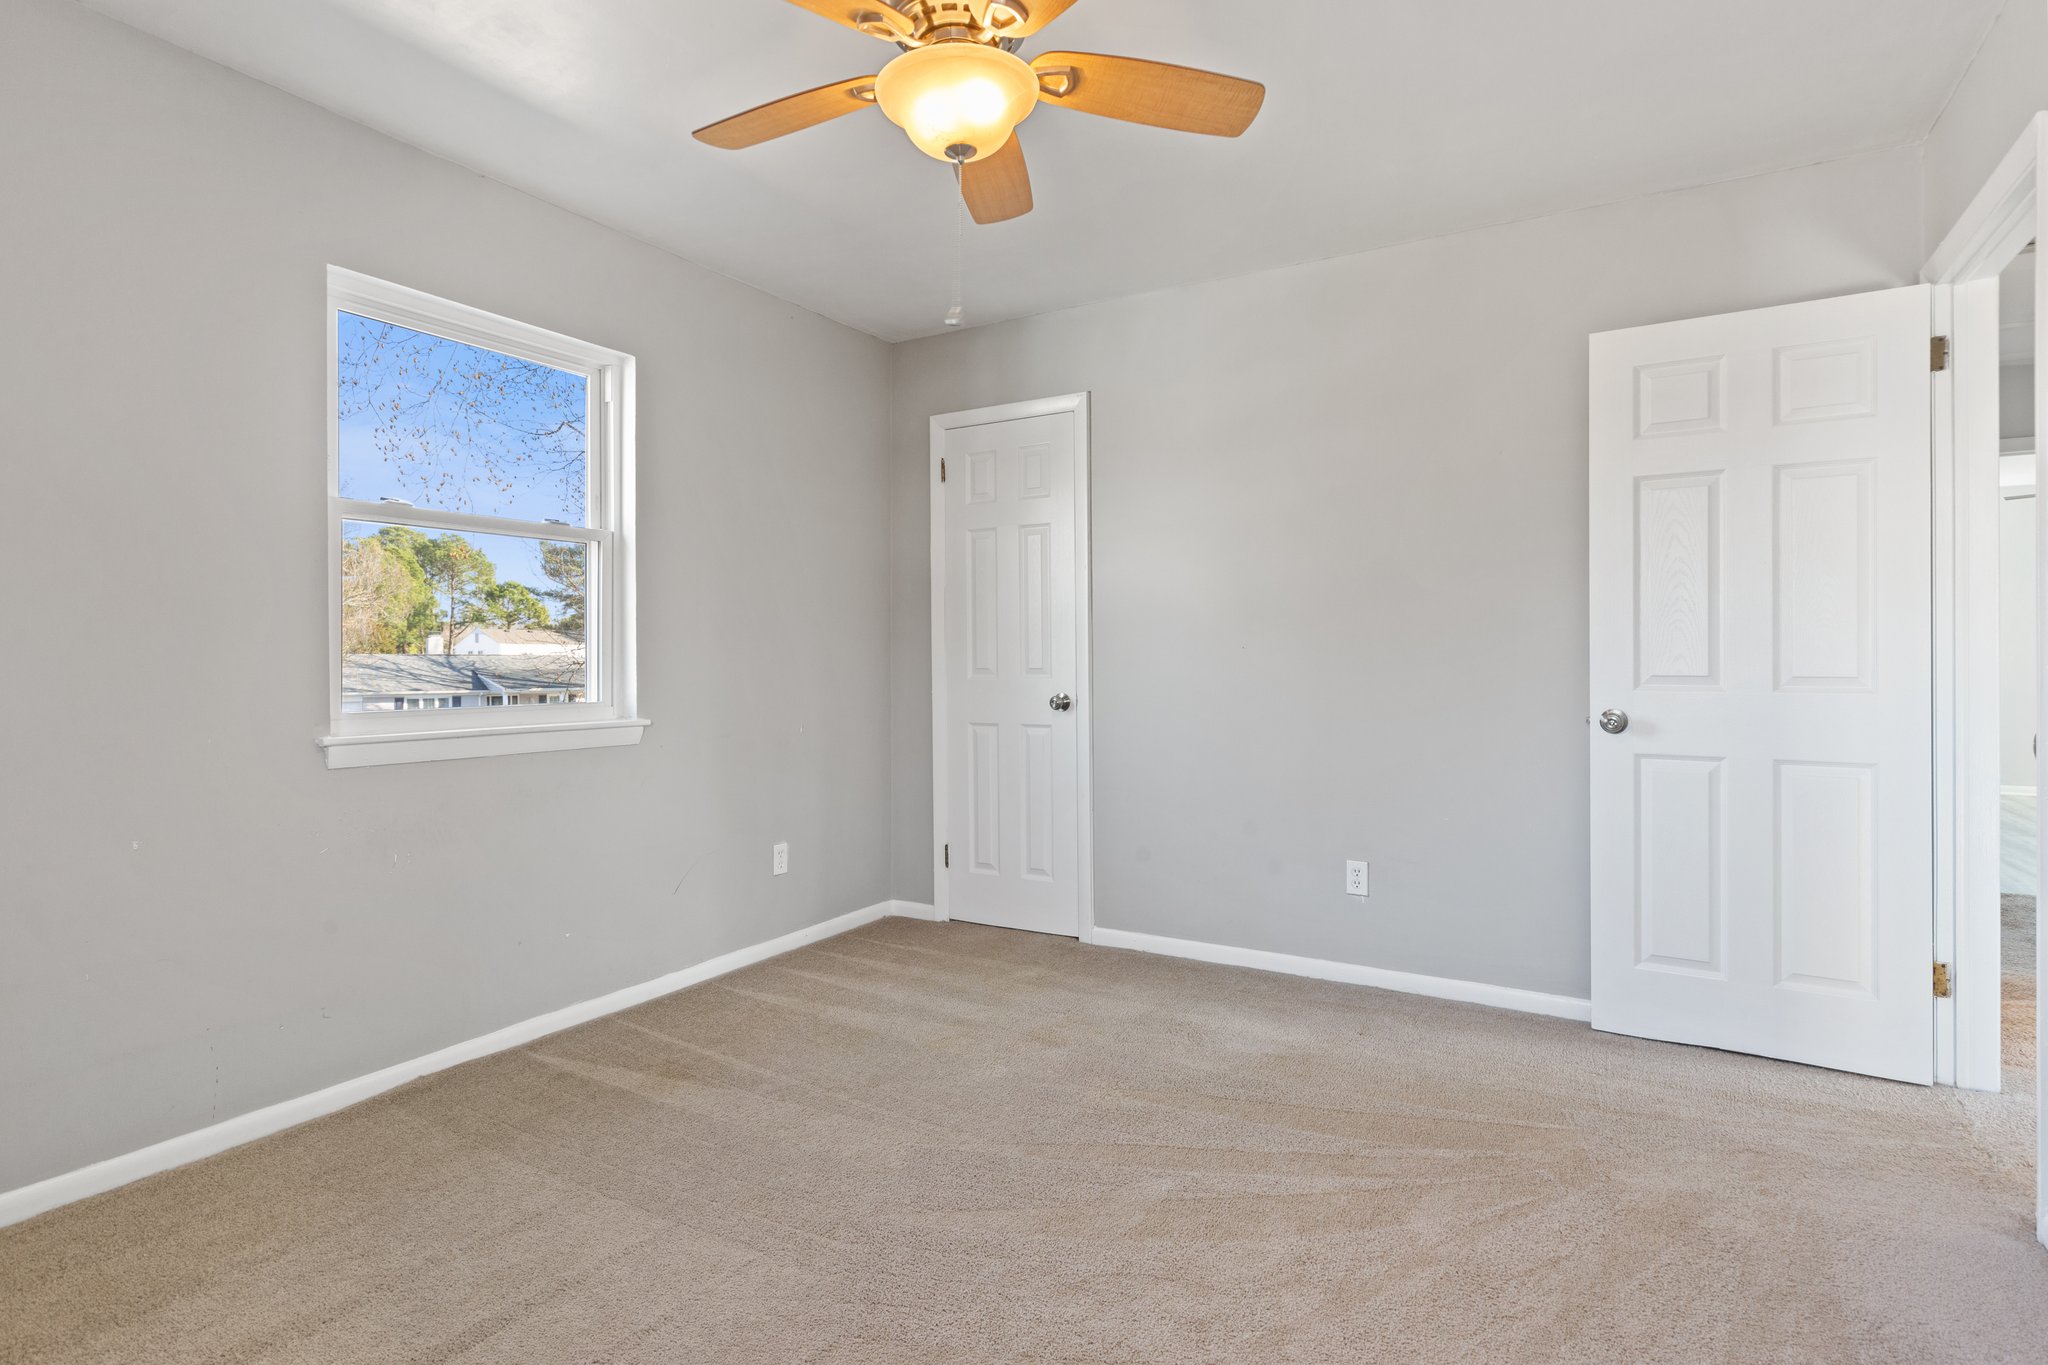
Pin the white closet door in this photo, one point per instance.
(1013, 796)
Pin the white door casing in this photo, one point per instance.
(2007, 214)
(1761, 611)
(1009, 565)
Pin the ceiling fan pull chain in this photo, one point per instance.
(957, 314)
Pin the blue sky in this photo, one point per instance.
(450, 426)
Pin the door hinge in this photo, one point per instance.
(1943, 986)
(942, 470)
(1937, 354)
(949, 855)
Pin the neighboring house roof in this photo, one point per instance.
(385, 675)
(505, 635)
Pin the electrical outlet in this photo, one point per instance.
(1354, 880)
(781, 859)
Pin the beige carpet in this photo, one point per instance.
(923, 1142)
(2017, 990)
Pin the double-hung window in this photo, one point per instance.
(480, 533)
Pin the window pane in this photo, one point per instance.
(434, 620)
(440, 424)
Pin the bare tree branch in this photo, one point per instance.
(460, 427)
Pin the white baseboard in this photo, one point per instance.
(101, 1176)
(1441, 987)
(913, 910)
(2018, 791)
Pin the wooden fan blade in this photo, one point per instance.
(1154, 93)
(1037, 14)
(998, 188)
(791, 115)
(873, 18)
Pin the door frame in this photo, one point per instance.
(1083, 713)
(2007, 213)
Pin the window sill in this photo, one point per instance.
(429, 746)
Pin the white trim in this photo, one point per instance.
(2016, 469)
(2005, 215)
(1945, 568)
(913, 910)
(942, 900)
(371, 297)
(101, 1176)
(1966, 590)
(2000, 221)
(2019, 791)
(610, 715)
(1084, 764)
(430, 746)
(1354, 974)
(1971, 475)
(431, 519)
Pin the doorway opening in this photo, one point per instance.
(2019, 871)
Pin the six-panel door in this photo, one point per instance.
(1760, 610)
(1012, 816)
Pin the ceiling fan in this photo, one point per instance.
(959, 90)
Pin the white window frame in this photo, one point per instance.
(609, 717)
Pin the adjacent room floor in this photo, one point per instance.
(923, 1142)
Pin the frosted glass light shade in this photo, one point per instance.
(957, 95)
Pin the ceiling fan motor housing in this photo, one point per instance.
(936, 21)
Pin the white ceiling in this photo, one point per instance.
(1387, 120)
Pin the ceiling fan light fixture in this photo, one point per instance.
(957, 101)
(959, 90)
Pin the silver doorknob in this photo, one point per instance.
(1062, 702)
(1614, 722)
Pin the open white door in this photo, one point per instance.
(1762, 826)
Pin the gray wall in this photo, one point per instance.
(2016, 400)
(1340, 564)
(2018, 706)
(2005, 86)
(196, 918)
